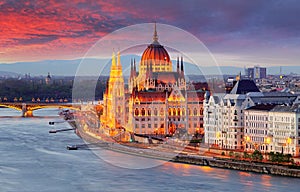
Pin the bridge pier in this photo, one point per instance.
(27, 114)
(25, 111)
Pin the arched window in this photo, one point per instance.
(160, 87)
(170, 111)
(155, 111)
(195, 111)
(149, 112)
(136, 112)
(162, 111)
(143, 112)
(201, 111)
(178, 111)
(166, 87)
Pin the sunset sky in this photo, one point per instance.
(236, 32)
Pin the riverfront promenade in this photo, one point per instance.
(179, 153)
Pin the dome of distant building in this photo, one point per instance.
(157, 56)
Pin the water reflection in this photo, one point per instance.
(33, 160)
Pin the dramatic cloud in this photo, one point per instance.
(237, 32)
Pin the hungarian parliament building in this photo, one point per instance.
(157, 101)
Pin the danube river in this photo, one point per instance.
(33, 160)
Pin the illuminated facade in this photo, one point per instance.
(159, 101)
(114, 97)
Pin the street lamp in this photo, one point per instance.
(247, 140)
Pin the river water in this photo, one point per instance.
(31, 159)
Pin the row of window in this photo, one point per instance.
(256, 125)
(149, 125)
(256, 118)
(255, 131)
(171, 112)
(161, 119)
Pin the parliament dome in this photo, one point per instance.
(157, 56)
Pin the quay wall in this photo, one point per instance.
(209, 161)
(239, 165)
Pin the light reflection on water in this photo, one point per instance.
(31, 159)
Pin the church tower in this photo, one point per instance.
(114, 97)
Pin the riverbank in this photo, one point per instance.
(255, 167)
(162, 152)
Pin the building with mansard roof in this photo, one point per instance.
(226, 118)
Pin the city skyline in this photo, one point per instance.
(237, 33)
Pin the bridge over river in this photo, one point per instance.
(28, 108)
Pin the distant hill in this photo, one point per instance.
(8, 74)
(69, 67)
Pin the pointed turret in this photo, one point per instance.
(134, 66)
(133, 75)
(178, 69)
(113, 59)
(119, 59)
(131, 69)
(182, 71)
(149, 70)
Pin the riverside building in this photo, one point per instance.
(158, 101)
(242, 120)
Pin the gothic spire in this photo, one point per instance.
(119, 59)
(131, 68)
(182, 64)
(113, 59)
(155, 36)
(134, 66)
(178, 65)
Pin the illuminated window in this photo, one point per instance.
(136, 112)
(178, 111)
(143, 112)
(201, 111)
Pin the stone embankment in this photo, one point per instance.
(238, 165)
(195, 159)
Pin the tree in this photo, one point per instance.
(256, 155)
(246, 155)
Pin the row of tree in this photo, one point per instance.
(34, 88)
(258, 156)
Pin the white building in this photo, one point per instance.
(223, 116)
(256, 128)
(284, 123)
(224, 119)
(272, 128)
